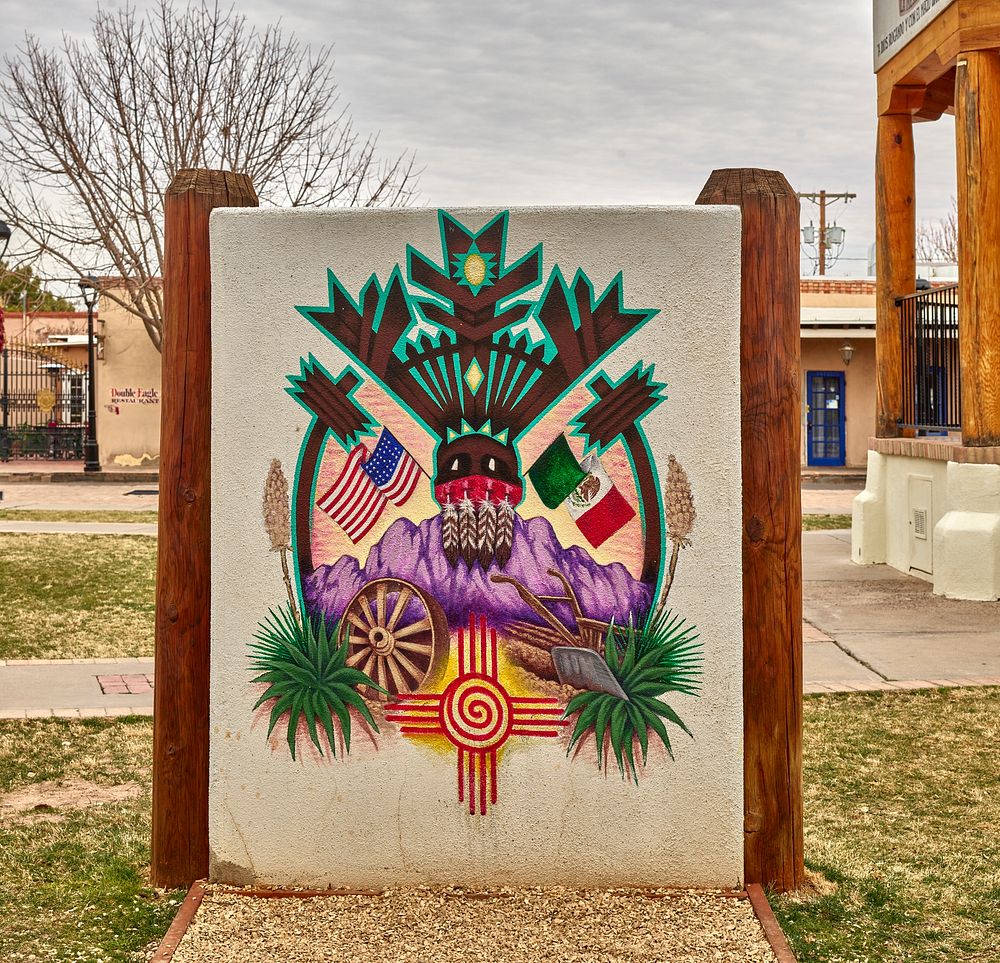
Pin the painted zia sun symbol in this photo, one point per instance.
(477, 715)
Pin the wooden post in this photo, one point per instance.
(895, 261)
(977, 134)
(772, 521)
(180, 714)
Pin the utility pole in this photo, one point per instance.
(824, 243)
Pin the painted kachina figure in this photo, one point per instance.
(479, 372)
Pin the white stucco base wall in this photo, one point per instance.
(967, 538)
(387, 812)
(868, 515)
(963, 524)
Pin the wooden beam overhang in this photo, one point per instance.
(920, 79)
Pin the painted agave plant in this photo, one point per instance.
(305, 670)
(660, 657)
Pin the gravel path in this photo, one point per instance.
(552, 925)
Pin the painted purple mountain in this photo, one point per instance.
(413, 553)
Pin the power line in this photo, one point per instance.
(829, 237)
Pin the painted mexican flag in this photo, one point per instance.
(597, 507)
(556, 473)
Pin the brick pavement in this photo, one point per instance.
(126, 684)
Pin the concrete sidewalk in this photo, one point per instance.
(58, 471)
(866, 629)
(871, 627)
(78, 528)
(78, 496)
(75, 688)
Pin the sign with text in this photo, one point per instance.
(897, 22)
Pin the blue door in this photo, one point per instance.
(825, 418)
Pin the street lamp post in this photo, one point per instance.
(92, 459)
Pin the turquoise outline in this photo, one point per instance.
(575, 426)
(436, 298)
(294, 390)
(414, 306)
(489, 269)
(293, 514)
(659, 505)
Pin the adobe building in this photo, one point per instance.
(932, 502)
(128, 392)
(837, 370)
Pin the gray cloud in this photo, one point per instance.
(602, 102)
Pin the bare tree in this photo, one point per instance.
(938, 240)
(94, 131)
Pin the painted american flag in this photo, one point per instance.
(356, 500)
(393, 469)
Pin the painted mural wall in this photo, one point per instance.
(476, 604)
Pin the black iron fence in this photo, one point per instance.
(932, 379)
(43, 404)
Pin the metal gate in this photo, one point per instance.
(43, 404)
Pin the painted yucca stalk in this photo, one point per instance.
(680, 517)
(278, 525)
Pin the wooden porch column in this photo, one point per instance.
(772, 521)
(183, 571)
(895, 261)
(977, 135)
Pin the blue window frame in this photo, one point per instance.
(825, 439)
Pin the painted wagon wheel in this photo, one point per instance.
(397, 635)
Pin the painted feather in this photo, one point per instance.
(449, 534)
(505, 533)
(468, 531)
(486, 523)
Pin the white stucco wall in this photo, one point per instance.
(389, 815)
(963, 527)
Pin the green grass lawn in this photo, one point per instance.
(818, 523)
(901, 810)
(74, 879)
(901, 816)
(76, 596)
(94, 515)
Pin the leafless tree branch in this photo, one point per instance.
(94, 132)
(938, 240)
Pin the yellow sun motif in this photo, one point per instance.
(474, 269)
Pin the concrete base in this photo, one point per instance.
(967, 538)
(964, 523)
(868, 516)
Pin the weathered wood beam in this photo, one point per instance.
(772, 521)
(925, 102)
(977, 134)
(964, 25)
(180, 710)
(895, 261)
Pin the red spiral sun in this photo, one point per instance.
(476, 714)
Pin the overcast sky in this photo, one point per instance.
(590, 102)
